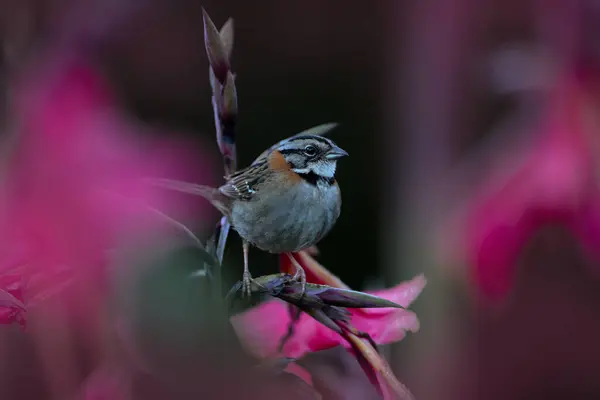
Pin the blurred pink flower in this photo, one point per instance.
(554, 182)
(107, 382)
(73, 189)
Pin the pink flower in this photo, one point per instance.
(261, 328)
(73, 188)
(554, 181)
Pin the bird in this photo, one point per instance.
(287, 200)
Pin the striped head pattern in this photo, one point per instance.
(311, 155)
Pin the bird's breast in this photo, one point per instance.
(287, 220)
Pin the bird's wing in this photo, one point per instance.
(241, 184)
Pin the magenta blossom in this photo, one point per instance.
(73, 186)
(554, 182)
(262, 328)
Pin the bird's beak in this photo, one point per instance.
(336, 153)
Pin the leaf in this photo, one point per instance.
(354, 299)
(215, 48)
(285, 288)
(229, 107)
(227, 37)
(323, 318)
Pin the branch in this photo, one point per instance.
(219, 45)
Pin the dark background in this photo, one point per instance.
(298, 64)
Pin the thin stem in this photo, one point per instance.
(218, 46)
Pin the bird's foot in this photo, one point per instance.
(300, 276)
(247, 283)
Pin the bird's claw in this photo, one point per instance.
(300, 276)
(247, 283)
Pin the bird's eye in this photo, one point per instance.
(310, 150)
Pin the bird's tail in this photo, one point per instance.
(211, 194)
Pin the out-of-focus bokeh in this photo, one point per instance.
(472, 128)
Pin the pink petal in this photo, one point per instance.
(261, 328)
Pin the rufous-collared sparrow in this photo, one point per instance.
(285, 201)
